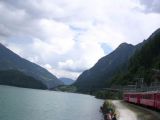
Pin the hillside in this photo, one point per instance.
(143, 62)
(101, 73)
(122, 65)
(67, 81)
(11, 61)
(19, 79)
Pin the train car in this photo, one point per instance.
(132, 97)
(148, 99)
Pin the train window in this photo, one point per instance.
(143, 96)
(148, 96)
(132, 96)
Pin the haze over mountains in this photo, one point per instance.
(67, 81)
(103, 73)
(11, 61)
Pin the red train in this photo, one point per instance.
(149, 99)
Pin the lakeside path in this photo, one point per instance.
(132, 112)
(124, 112)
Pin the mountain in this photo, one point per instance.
(123, 65)
(19, 79)
(143, 63)
(101, 73)
(11, 61)
(67, 81)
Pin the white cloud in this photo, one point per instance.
(61, 73)
(67, 64)
(150, 6)
(66, 36)
(58, 35)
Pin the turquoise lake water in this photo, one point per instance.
(29, 104)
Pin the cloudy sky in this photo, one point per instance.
(69, 36)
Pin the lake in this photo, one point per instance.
(30, 104)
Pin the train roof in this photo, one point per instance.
(148, 92)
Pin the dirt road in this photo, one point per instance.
(133, 112)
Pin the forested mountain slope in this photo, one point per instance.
(101, 73)
(143, 62)
(19, 79)
(11, 61)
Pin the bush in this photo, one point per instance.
(108, 106)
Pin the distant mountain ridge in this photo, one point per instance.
(67, 81)
(11, 61)
(100, 74)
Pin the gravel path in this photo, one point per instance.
(124, 112)
(129, 111)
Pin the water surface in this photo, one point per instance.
(29, 104)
